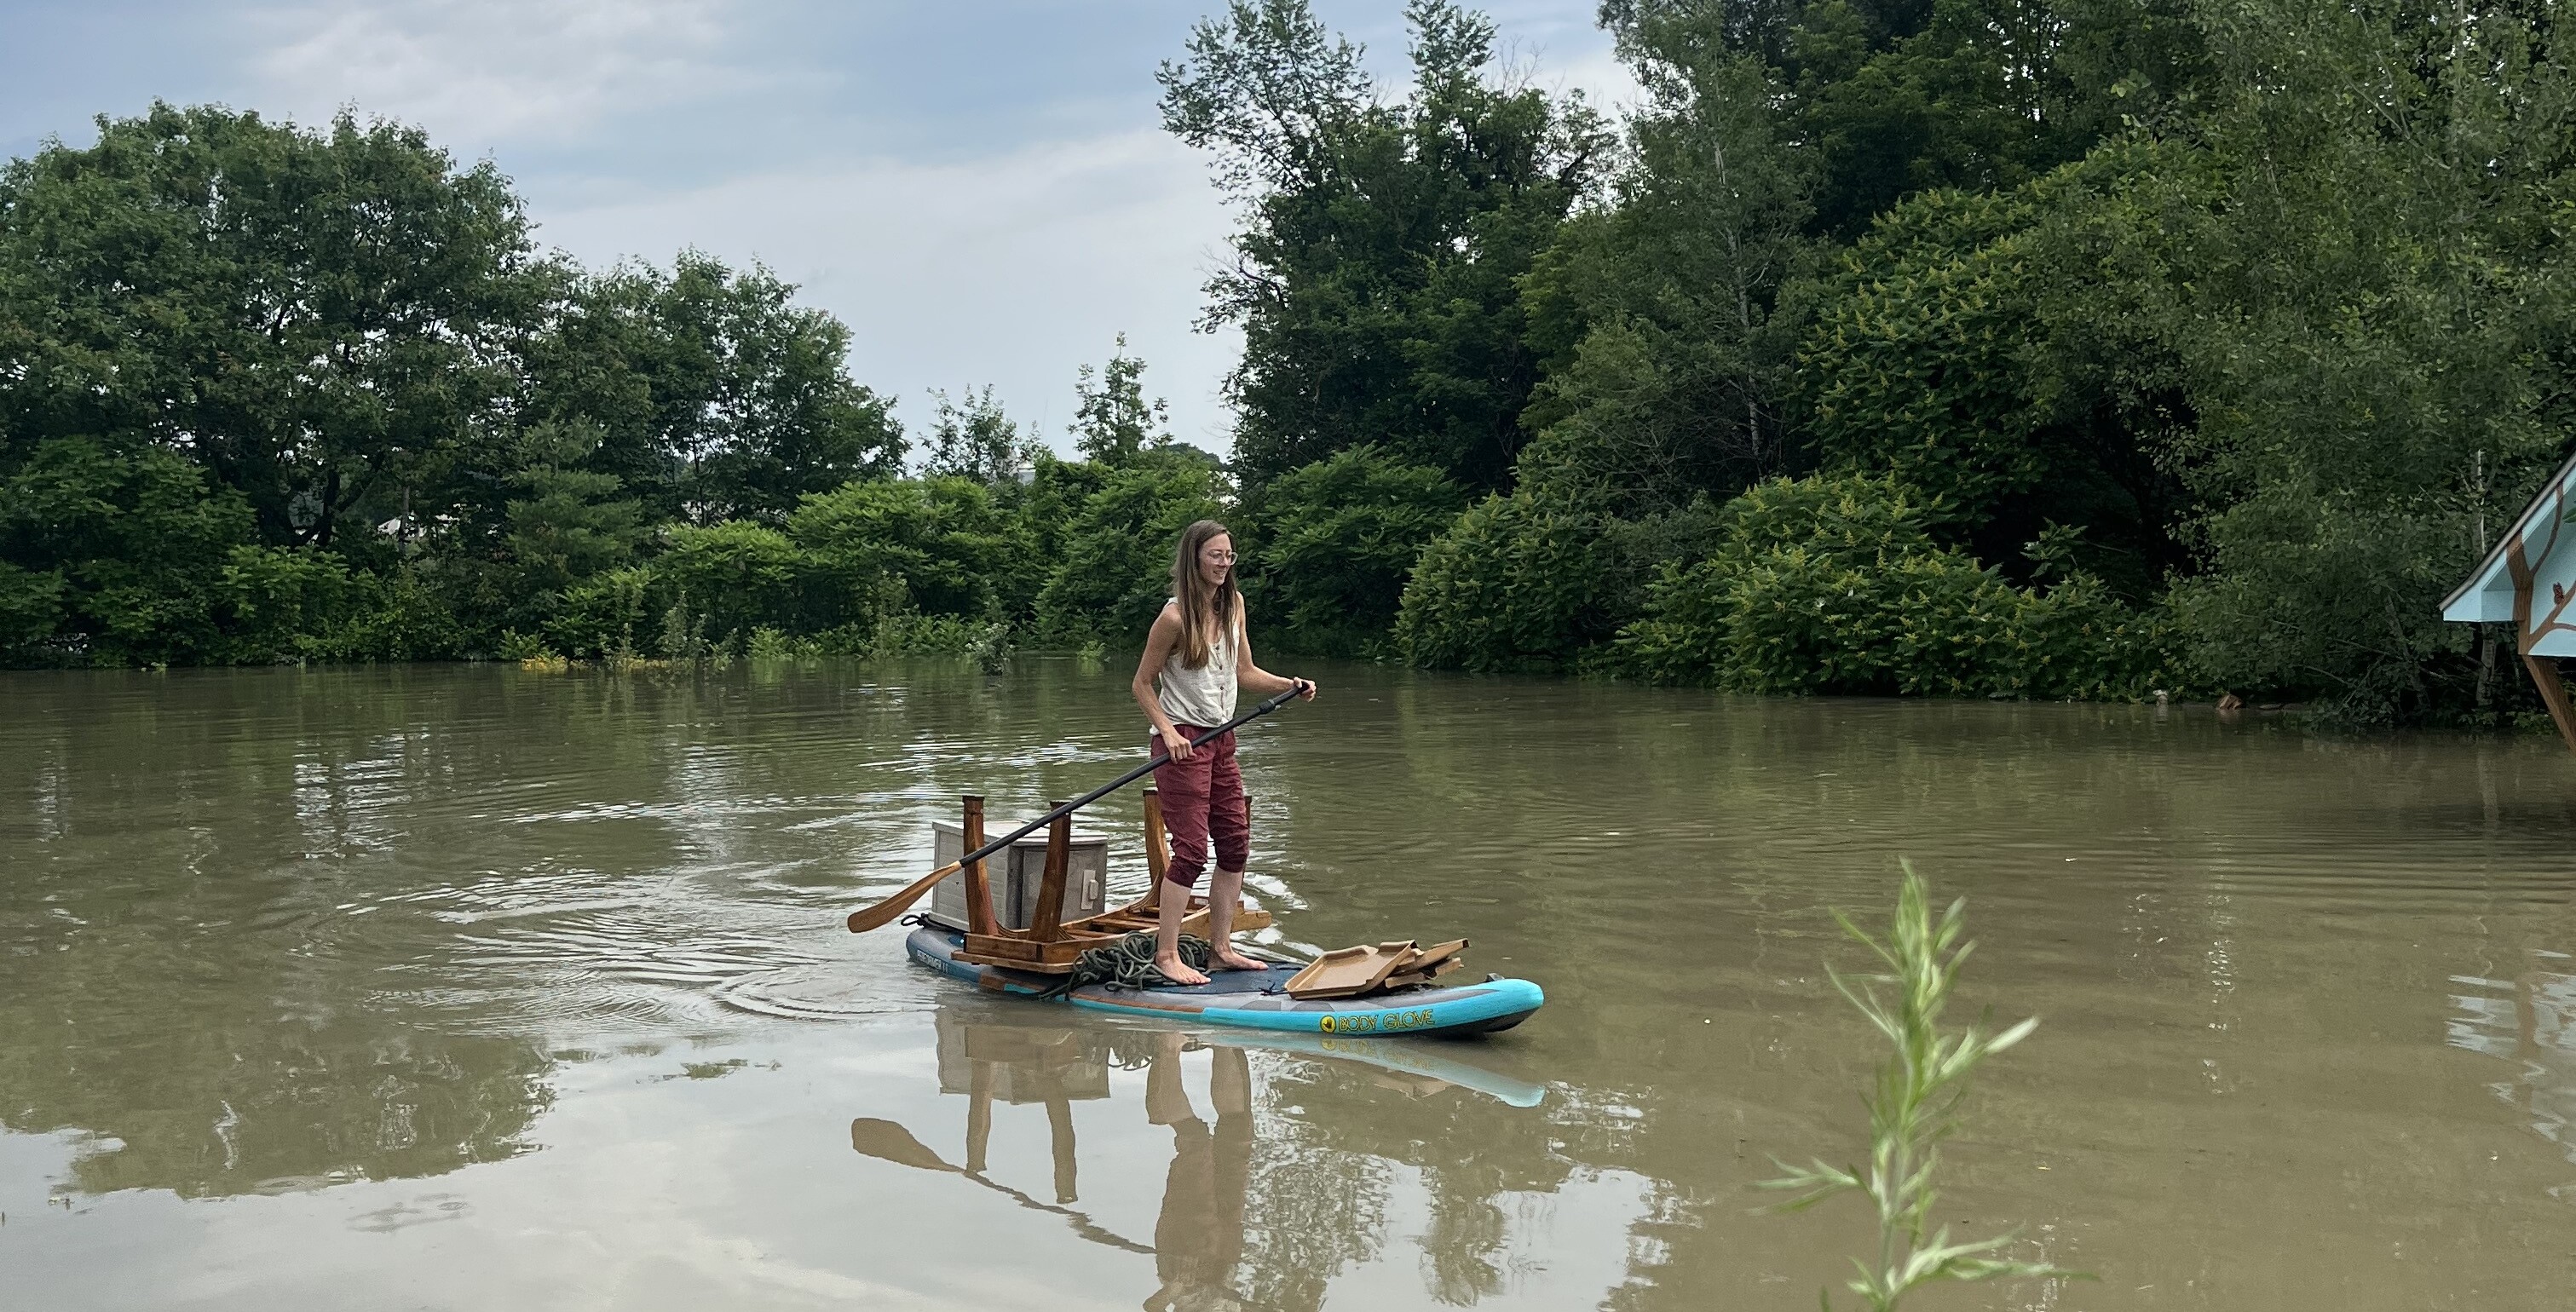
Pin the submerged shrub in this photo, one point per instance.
(1114, 572)
(1332, 543)
(276, 602)
(600, 614)
(118, 553)
(1542, 579)
(1517, 583)
(747, 574)
(1833, 584)
(938, 542)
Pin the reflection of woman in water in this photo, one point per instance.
(1196, 656)
(1198, 1239)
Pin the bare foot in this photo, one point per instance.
(1229, 959)
(1176, 972)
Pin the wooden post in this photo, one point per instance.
(2553, 694)
(1047, 924)
(979, 885)
(1158, 850)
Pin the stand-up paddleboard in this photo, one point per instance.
(1255, 1000)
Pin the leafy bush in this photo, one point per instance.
(939, 543)
(1115, 569)
(745, 574)
(137, 541)
(599, 615)
(1538, 580)
(31, 604)
(1909, 367)
(1517, 583)
(1330, 545)
(1832, 584)
(517, 646)
(277, 603)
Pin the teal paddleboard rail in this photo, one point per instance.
(1258, 1000)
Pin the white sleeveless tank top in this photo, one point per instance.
(1204, 696)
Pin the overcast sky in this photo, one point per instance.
(979, 188)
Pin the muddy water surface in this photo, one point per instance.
(463, 987)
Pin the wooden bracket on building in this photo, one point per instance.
(2553, 694)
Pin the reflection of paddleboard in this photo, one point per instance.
(1259, 999)
(1402, 1058)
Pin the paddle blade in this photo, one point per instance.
(891, 1142)
(867, 918)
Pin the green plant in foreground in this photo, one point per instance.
(1913, 1106)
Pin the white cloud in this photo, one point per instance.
(482, 71)
(640, 127)
(1009, 269)
(1595, 70)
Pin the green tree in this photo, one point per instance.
(566, 523)
(1669, 381)
(2372, 316)
(939, 546)
(1113, 566)
(741, 574)
(1329, 546)
(1377, 279)
(1112, 421)
(117, 553)
(970, 437)
(1519, 582)
(1897, 97)
(716, 395)
(319, 319)
(2009, 355)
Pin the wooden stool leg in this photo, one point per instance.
(979, 885)
(1158, 851)
(1047, 925)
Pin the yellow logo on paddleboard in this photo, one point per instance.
(1379, 1022)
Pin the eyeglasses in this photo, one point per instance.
(1220, 557)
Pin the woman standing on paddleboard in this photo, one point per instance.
(1197, 658)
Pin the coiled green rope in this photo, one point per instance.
(1128, 961)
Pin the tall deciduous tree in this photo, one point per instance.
(2376, 319)
(1376, 274)
(316, 318)
(1895, 97)
(1112, 420)
(718, 396)
(970, 437)
(1670, 383)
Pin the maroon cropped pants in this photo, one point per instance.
(1203, 800)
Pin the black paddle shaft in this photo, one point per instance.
(1128, 778)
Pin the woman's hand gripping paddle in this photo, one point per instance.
(865, 919)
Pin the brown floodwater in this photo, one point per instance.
(468, 987)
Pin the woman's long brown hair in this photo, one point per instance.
(1206, 611)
